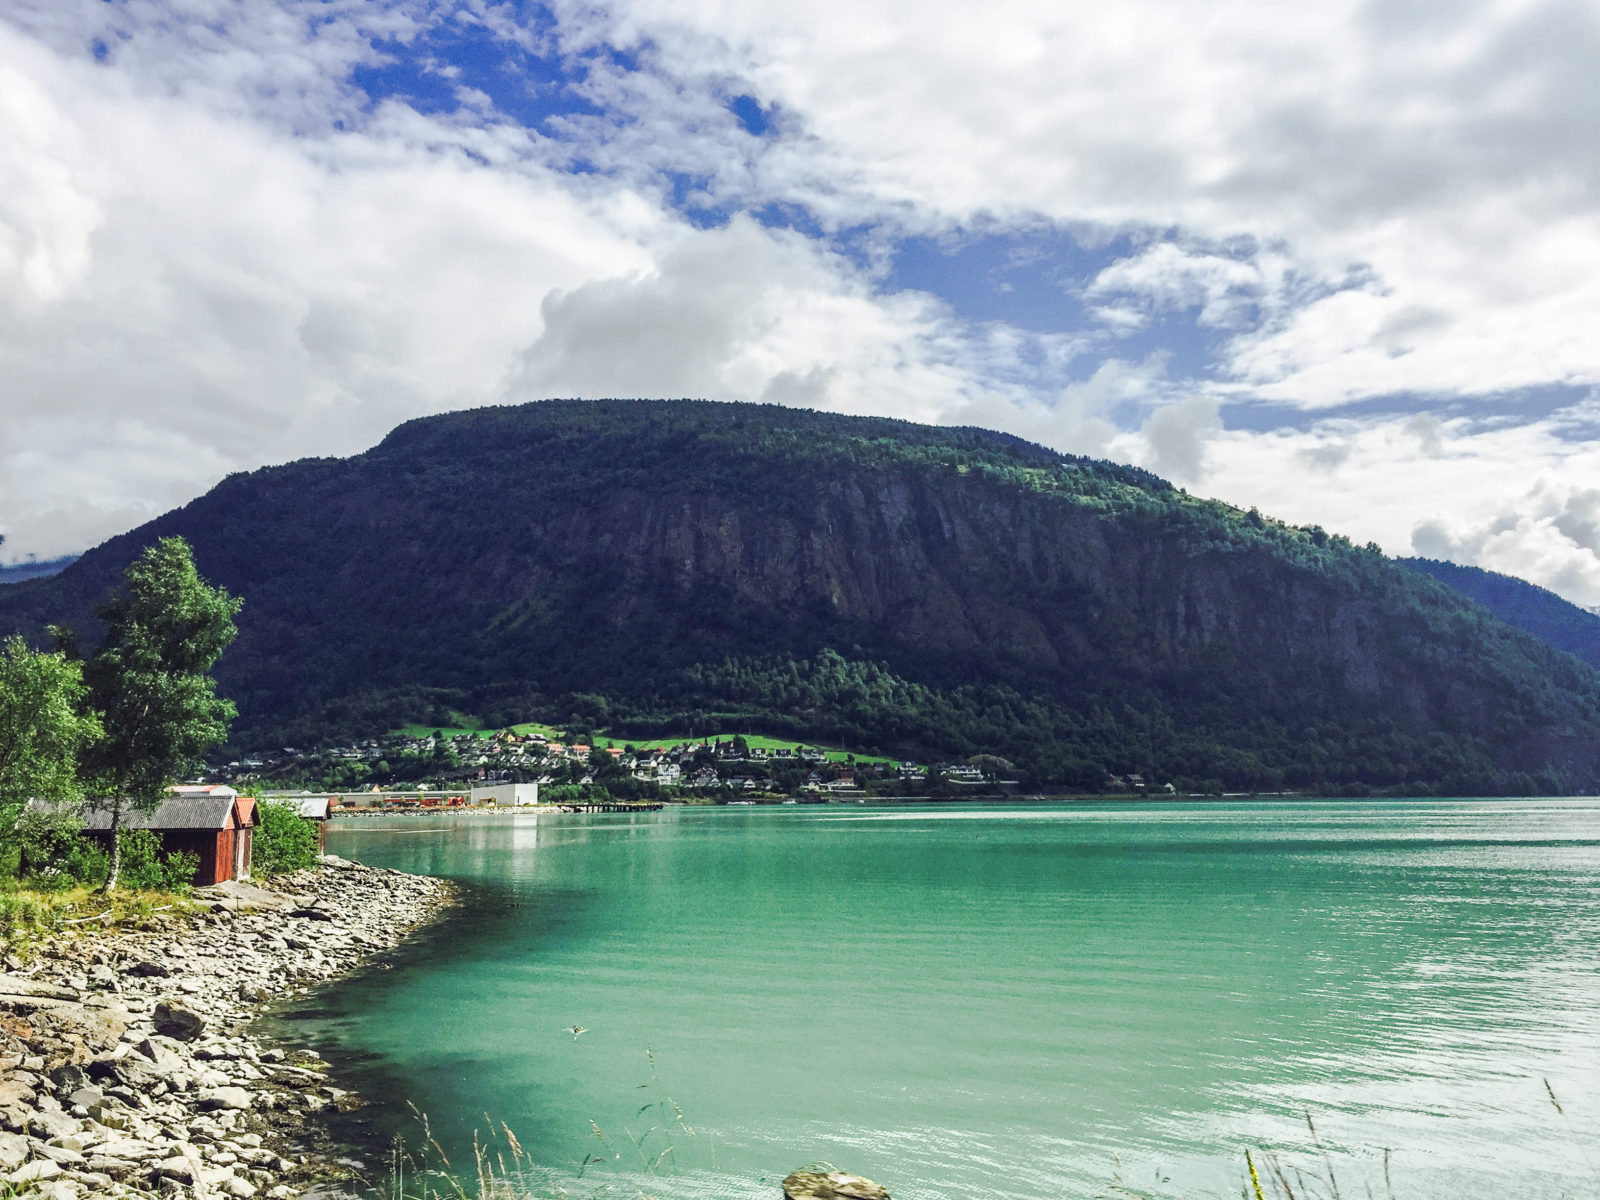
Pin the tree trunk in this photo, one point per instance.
(116, 852)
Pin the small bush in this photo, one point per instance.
(146, 868)
(284, 841)
(51, 853)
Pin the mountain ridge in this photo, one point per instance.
(676, 565)
(1529, 607)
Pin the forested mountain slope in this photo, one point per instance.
(685, 566)
(1527, 606)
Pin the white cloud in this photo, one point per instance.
(215, 252)
(742, 313)
(1226, 292)
(1420, 175)
(1552, 537)
(187, 290)
(246, 295)
(1175, 439)
(1483, 493)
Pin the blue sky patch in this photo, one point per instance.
(755, 119)
(1034, 280)
(429, 72)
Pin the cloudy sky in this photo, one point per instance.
(1340, 261)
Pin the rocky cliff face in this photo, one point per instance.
(632, 562)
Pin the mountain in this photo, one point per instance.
(677, 566)
(34, 568)
(1527, 606)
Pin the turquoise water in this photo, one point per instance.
(998, 1002)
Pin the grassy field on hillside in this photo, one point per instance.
(756, 741)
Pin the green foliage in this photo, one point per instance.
(148, 681)
(1542, 613)
(29, 916)
(45, 849)
(145, 868)
(563, 793)
(41, 730)
(284, 841)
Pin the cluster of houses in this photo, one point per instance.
(1136, 783)
(216, 823)
(684, 766)
(725, 765)
(693, 765)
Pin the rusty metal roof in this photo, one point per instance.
(176, 812)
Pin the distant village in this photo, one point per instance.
(724, 766)
(722, 769)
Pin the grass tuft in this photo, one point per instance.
(30, 918)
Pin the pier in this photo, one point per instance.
(610, 806)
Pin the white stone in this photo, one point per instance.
(38, 1169)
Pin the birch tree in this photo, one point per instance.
(149, 683)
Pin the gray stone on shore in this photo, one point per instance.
(38, 1169)
(48, 1123)
(212, 1099)
(165, 1052)
(68, 1077)
(185, 1168)
(79, 1025)
(86, 1098)
(811, 1184)
(174, 1019)
(13, 1151)
(62, 1156)
(22, 985)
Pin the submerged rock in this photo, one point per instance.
(811, 1184)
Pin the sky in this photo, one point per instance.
(1338, 261)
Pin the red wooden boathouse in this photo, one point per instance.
(212, 821)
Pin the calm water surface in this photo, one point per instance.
(999, 1003)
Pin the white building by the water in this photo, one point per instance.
(506, 794)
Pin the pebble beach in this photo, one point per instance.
(126, 1064)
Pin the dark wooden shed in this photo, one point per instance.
(214, 822)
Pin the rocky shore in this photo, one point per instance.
(124, 1066)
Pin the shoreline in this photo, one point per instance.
(127, 1068)
(855, 801)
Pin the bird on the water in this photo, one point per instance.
(575, 1030)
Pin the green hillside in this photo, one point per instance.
(1517, 602)
(648, 568)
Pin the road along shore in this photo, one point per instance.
(125, 1070)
